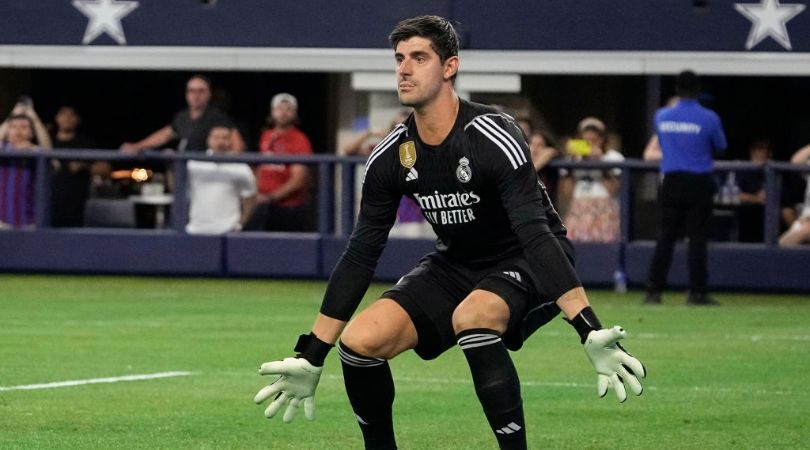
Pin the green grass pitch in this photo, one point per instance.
(731, 377)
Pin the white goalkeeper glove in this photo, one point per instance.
(296, 383)
(614, 366)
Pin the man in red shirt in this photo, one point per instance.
(283, 188)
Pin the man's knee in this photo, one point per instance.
(384, 330)
(481, 309)
(364, 342)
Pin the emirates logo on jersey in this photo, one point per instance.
(463, 172)
(448, 209)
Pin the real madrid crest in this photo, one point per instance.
(407, 154)
(463, 172)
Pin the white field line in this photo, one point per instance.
(69, 383)
(560, 384)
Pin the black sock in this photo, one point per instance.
(370, 388)
(497, 385)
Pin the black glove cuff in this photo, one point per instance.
(585, 322)
(312, 349)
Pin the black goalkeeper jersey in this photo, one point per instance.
(478, 189)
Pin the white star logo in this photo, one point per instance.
(105, 17)
(768, 18)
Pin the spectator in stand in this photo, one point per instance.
(543, 151)
(592, 214)
(410, 222)
(792, 201)
(799, 231)
(190, 127)
(526, 126)
(25, 107)
(72, 180)
(283, 188)
(222, 195)
(18, 176)
(752, 193)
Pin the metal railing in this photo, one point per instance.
(330, 167)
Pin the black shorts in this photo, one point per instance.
(435, 287)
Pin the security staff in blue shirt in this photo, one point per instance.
(689, 136)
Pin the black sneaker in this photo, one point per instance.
(701, 300)
(652, 298)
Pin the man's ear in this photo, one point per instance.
(451, 67)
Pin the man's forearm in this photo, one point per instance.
(573, 302)
(297, 181)
(801, 156)
(248, 205)
(155, 139)
(43, 138)
(327, 328)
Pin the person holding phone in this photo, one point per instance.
(591, 196)
(18, 176)
(25, 107)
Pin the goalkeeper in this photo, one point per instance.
(502, 266)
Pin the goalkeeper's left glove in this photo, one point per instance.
(614, 365)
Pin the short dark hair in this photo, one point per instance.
(441, 33)
(216, 125)
(203, 78)
(687, 84)
(763, 143)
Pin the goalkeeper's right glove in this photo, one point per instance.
(297, 379)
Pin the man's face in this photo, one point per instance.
(198, 93)
(759, 154)
(283, 114)
(420, 72)
(19, 131)
(67, 118)
(219, 139)
(537, 140)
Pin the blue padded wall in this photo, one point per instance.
(731, 265)
(307, 255)
(272, 254)
(399, 256)
(110, 251)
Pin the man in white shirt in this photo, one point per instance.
(221, 195)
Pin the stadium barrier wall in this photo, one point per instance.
(312, 255)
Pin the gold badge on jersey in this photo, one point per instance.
(407, 154)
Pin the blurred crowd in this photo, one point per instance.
(231, 197)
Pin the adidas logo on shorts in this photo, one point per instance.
(514, 275)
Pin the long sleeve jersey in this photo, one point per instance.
(478, 190)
